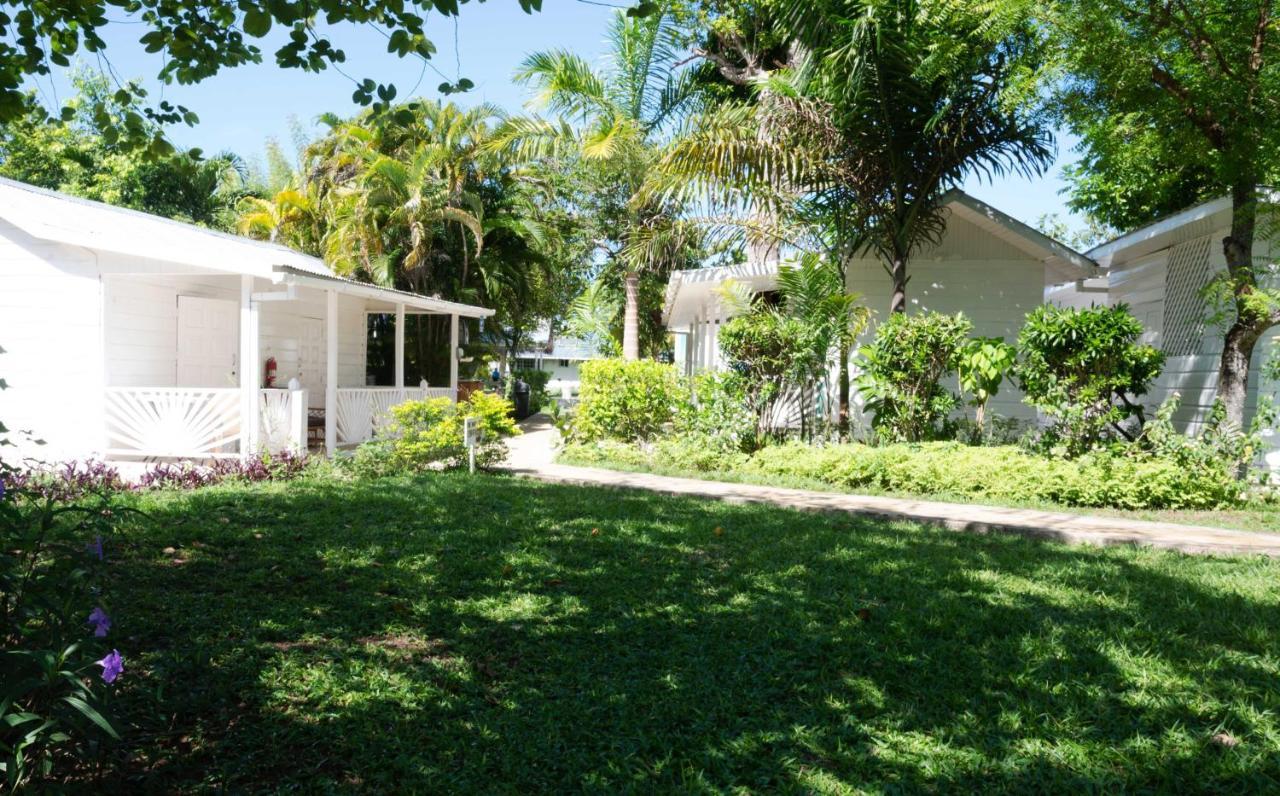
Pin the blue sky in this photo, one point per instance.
(240, 108)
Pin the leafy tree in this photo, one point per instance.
(610, 121)
(1175, 103)
(78, 158)
(197, 41)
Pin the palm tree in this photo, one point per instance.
(288, 217)
(883, 106)
(613, 117)
(814, 289)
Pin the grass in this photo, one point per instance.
(1261, 517)
(484, 634)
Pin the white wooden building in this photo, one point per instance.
(136, 337)
(988, 265)
(1158, 271)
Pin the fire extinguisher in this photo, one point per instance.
(269, 373)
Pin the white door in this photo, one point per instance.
(208, 342)
(312, 361)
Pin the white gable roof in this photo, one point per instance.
(688, 289)
(1193, 222)
(57, 217)
(49, 215)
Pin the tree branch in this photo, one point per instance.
(1202, 119)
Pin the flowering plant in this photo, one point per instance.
(56, 666)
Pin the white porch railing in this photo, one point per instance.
(282, 421)
(361, 411)
(176, 422)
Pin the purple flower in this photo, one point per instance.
(100, 621)
(95, 547)
(112, 666)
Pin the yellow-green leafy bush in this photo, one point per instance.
(625, 400)
(428, 433)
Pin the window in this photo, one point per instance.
(564, 363)
(525, 363)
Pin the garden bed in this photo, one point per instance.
(469, 634)
(1001, 476)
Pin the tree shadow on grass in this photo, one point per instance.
(496, 635)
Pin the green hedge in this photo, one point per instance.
(947, 469)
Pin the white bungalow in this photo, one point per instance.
(988, 265)
(129, 336)
(1159, 271)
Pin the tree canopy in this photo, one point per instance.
(1176, 103)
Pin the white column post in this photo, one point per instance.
(400, 346)
(453, 357)
(249, 397)
(298, 421)
(331, 373)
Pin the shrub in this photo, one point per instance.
(902, 371)
(717, 415)
(770, 352)
(625, 400)
(428, 433)
(1081, 367)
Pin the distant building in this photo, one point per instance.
(561, 361)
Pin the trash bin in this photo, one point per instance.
(520, 397)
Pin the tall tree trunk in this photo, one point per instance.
(1237, 347)
(842, 414)
(898, 272)
(631, 317)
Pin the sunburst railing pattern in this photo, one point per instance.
(173, 422)
(362, 411)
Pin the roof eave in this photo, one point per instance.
(290, 275)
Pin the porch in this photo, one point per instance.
(186, 359)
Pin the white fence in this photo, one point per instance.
(200, 423)
(173, 422)
(361, 411)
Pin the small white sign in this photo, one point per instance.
(470, 438)
(470, 432)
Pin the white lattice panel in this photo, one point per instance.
(173, 422)
(1184, 307)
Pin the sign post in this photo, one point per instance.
(470, 438)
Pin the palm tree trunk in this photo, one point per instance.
(631, 317)
(898, 272)
(842, 415)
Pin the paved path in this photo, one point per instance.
(533, 455)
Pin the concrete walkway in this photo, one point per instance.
(532, 455)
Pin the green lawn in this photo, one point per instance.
(1262, 517)
(485, 634)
